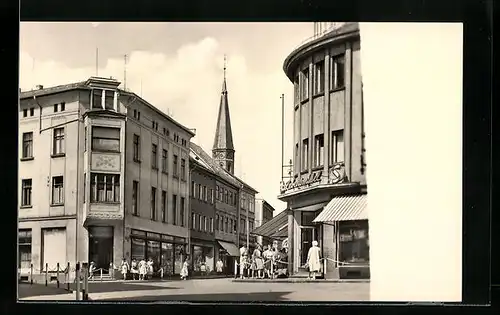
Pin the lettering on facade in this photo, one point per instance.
(105, 162)
(313, 177)
(336, 174)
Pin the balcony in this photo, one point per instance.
(336, 177)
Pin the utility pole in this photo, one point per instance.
(282, 133)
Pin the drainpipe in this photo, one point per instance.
(40, 114)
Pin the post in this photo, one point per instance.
(235, 269)
(85, 291)
(101, 274)
(46, 273)
(272, 267)
(282, 134)
(325, 261)
(67, 276)
(77, 278)
(161, 273)
(31, 274)
(57, 273)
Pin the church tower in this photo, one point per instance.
(223, 149)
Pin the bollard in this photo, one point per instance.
(235, 269)
(67, 277)
(46, 273)
(31, 274)
(101, 274)
(77, 277)
(325, 262)
(85, 291)
(57, 273)
(161, 273)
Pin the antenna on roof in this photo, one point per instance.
(96, 61)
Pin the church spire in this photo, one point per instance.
(223, 149)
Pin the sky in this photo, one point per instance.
(178, 67)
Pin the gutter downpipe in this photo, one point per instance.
(40, 115)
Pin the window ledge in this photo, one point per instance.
(337, 89)
(26, 207)
(137, 160)
(304, 172)
(57, 204)
(316, 95)
(29, 158)
(58, 155)
(164, 172)
(105, 151)
(154, 168)
(106, 202)
(175, 176)
(304, 101)
(317, 168)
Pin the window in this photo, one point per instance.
(24, 259)
(211, 225)
(154, 156)
(164, 130)
(211, 195)
(105, 139)
(319, 150)
(205, 224)
(109, 99)
(296, 89)
(32, 111)
(138, 115)
(234, 226)
(58, 141)
(153, 203)
(183, 169)
(176, 171)
(216, 222)
(163, 206)
(193, 221)
(226, 196)
(135, 113)
(319, 77)
(242, 226)
(56, 108)
(174, 209)
(182, 210)
(200, 223)
(205, 193)
(337, 72)
(251, 225)
(192, 192)
(305, 151)
(104, 188)
(217, 192)
(97, 99)
(354, 244)
(304, 87)
(137, 151)
(226, 225)
(26, 193)
(27, 145)
(337, 146)
(63, 106)
(135, 197)
(231, 225)
(57, 190)
(25, 112)
(164, 160)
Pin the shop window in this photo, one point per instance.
(305, 153)
(337, 146)
(203, 259)
(105, 139)
(153, 252)
(26, 192)
(24, 259)
(27, 145)
(319, 150)
(179, 257)
(337, 72)
(104, 188)
(319, 77)
(354, 243)
(167, 258)
(138, 250)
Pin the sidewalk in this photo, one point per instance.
(302, 280)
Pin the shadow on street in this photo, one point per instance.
(213, 297)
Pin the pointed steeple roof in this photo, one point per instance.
(223, 133)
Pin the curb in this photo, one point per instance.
(298, 281)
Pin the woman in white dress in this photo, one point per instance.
(124, 268)
(134, 268)
(313, 260)
(150, 268)
(184, 270)
(142, 269)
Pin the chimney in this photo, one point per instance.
(39, 87)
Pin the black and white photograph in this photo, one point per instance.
(240, 161)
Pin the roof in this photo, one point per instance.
(223, 133)
(274, 228)
(84, 85)
(206, 159)
(344, 208)
(196, 163)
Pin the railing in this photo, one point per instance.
(332, 27)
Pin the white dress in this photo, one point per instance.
(313, 259)
(184, 270)
(142, 267)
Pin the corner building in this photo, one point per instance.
(103, 176)
(326, 199)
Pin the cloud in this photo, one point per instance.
(187, 83)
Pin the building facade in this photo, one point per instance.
(263, 214)
(326, 199)
(103, 176)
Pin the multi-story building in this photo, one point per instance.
(263, 214)
(103, 176)
(202, 215)
(326, 199)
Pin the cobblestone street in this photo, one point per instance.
(219, 290)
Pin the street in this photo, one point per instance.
(213, 290)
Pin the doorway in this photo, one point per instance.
(308, 234)
(101, 247)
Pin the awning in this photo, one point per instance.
(231, 249)
(275, 227)
(314, 207)
(344, 208)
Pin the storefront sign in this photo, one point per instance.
(313, 177)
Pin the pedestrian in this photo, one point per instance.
(150, 269)
(124, 268)
(219, 265)
(243, 261)
(313, 258)
(134, 268)
(258, 263)
(91, 270)
(142, 269)
(268, 260)
(184, 270)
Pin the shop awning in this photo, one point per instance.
(274, 228)
(231, 249)
(344, 208)
(314, 207)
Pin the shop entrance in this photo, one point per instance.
(101, 247)
(308, 234)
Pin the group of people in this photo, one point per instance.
(264, 261)
(144, 269)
